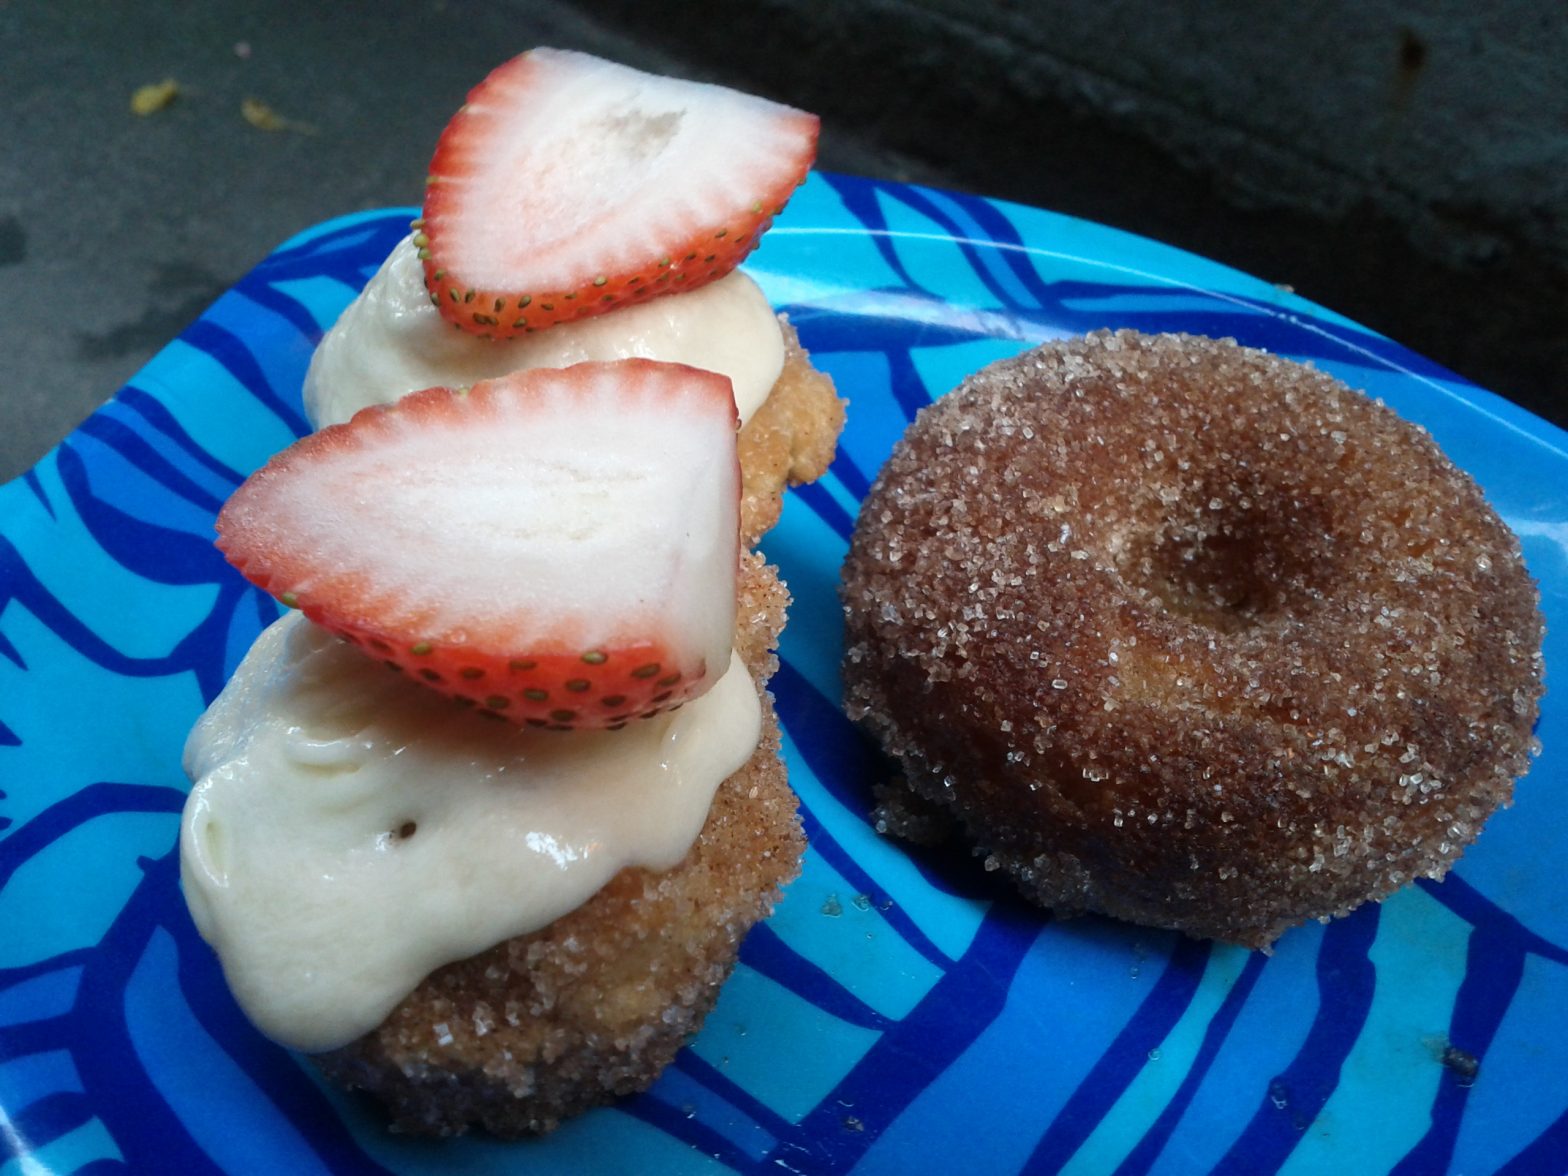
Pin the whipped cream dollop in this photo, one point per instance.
(351, 831)
(391, 341)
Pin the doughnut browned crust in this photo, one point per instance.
(595, 1005)
(1190, 635)
(789, 439)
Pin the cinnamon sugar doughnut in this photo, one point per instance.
(1188, 634)
(595, 1005)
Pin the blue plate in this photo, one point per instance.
(899, 1012)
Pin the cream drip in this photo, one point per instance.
(391, 341)
(351, 831)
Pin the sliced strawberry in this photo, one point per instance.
(558, 546)
(567, 186)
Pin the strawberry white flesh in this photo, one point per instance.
(568, 185)
(534, 544)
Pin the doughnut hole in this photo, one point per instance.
(1229, 563)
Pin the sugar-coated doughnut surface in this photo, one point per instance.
(595, 1005)
(1188, 634)
(790, 439)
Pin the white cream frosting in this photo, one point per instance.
(391, 341)
(351, 831)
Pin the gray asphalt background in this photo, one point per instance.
(116, 231)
